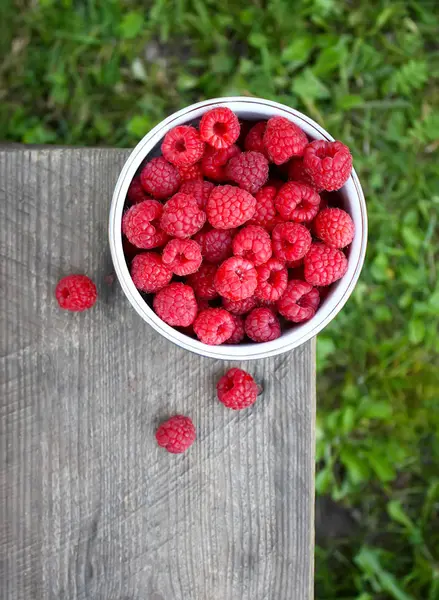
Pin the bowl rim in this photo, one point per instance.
(287, 341)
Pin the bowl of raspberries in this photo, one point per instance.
(238, 228)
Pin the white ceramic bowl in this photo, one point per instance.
(353, 201)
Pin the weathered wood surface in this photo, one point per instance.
(90, 507)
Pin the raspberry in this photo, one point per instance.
(176, 305)
(176, 434)
(290, 241)
(141, 225)
(181, 216)
(182, 146)
(199, 189)
(240, 307)
(328, 163)
(297, 172)
(216, 244)
(214, 162)
(237, 389)
(262, 325)
(182, 256)
(249, 170)
(76, 293)
(148, 272)
(229, 207)
(254, 139)
(129, 249)
(202, 282)
(253, 243)
(283, 139)
(272, 280)
(159, 178)
(236, 279)
(324, 265)
(136, 193)
(265, 213)
(297, 202)
(219, 127)
(299, 302)
(214, 326)
(334, 227)
(190, 173)
(239, 331)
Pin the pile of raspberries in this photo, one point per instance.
(228, 229)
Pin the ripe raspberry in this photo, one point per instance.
(249, 170)
(254, 140)
(199, 189)
(181, 216)
(229, 207)
(324, 265)
(190, 173)
(265, 213)
(202, 282)
(214, 326)
(298, 303)
(328, 163)
(148, 272)
(176, 305)
(129, 249)
(76, 293)
(283, 139)
(240, 307)
(219, 127)
(141, 225)
(253, 243)
(216, 244)
(236, 279)
(272, 280)
(182, 256)
(239, 331)
(334, 227)
(159, 178)
(290, 241)
(297, 172)
(136, 193)
(182, 146)
(237, 389)
(214, 162)
(262, 325)
(176, 434)
(297, 202)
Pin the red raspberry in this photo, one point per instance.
(176, 305)
(240, 307)
(298, 303)
(297, 202)
(229, 207)
(297, 172)
(272, 280)
(141, 225)
(214, 326)
(214, 162)
(262, 325)
(328, 163)
(182, 256)
(334, 227)
(181, 216)
(283, 139)
(190, 173)
(237, 389)
(159, 178)
(176, 434)
(254, 139)
(239, 331)
(148, 272)
(199, 189)
(136, 193)
(76, 293)
(253, 243)
(249, 170)
(265, 213)
(290, 241)
(324, 265)
(182, 146)
(219, 127)
(236, 279)
(216, 244)
(129, 249)
(202, 282)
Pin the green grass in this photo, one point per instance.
(102, 73)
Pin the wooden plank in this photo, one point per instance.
(90, 507)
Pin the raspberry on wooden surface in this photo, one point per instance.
(229, 207)
(290, 241)
(283, 140)
(176, 305)
(176, 434)
(324, 265)
(299, 301)
(253, 243)
(237, 389)
(219, 127)
(159, 178)
(141, 225)
(148, 272)
(76, 293)
(329, 164)
(214, 326)
(262, 325)
(181, 216)
(182, 146)
(236, 278)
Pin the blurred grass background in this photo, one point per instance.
(85, 73)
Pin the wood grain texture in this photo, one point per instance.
(90, 507)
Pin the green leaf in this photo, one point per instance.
(139, 126)
(349, 101)
(357, 468)
(368, 561)
(375, 410)
(382, 468)
(324, 478)
(329, 60)
(416, 331)
(380, 268)
(348, 419)
(131, 25)
(308, 87)
(257, 40)
(298, 51)
(396, 512)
